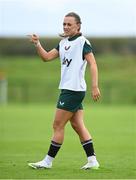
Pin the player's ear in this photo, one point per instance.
(79, 26)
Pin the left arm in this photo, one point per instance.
(94, 74)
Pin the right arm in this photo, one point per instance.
(45, 56)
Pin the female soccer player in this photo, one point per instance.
(74, 51)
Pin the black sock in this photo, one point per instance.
(88, 147)
(54, 148)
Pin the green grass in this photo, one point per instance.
(25, 132)
(30, 80)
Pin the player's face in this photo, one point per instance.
(70, 26)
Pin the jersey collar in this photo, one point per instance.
(75, 37)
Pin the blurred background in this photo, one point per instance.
(110, 25)
(29, 88)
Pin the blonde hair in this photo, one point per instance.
(77, 19)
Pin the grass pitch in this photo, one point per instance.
(25, 133)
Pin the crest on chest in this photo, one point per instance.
(67, 48)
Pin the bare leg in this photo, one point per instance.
(60, 120)
(78, 125)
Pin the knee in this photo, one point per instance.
(78, 127)
(57, 125)
(74, 126)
